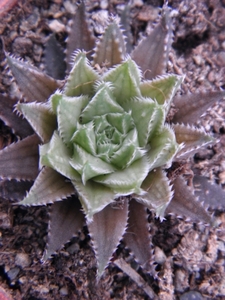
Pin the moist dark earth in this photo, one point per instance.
(189, 258)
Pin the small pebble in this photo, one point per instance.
(198, 59)
(22, 260)
(42, 289)
(12, 273)
(63, 291)
(57, 26)
(159, 256)
(69, 7)
(192, 295)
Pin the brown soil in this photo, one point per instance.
(188, 256)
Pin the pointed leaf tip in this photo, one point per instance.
(184, 203)
(211, 194)
(66, 219)
(35, 85)
(111, 47)
(40, 117)
(137, 237)
(18, 124)
(158, 192)
(151, 54)
(80, 36)
(192, 139)
(49, 187)
(190, 107)
(54, 59)
(106, 230)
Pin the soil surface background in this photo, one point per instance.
(189, 257)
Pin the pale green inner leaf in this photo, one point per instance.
(40, 117)
(82, 78)
(161, 89)
(127, 181)
(126, 80)
(85, 137)
(87, 165)
(49, 186)
(68, 114)
(54, 101)
(102, 103)
(147, 115)
(163, 148)
(158, 192)
(128, 152)
(57, 156)
(122, 122)
(94, 197)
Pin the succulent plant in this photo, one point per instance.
(107, 142)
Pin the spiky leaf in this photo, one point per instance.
(191, 138)
(162, 148)
(35, 85)
(110, 50)
(184, 203)
(57, 155)
(94, 197)
(150, 54)
(81, 78)
(89, 166)
(19, 125)
(211, 194)
(80, 36)
(126, 181)
(107, 229)
(40, 117)
(161, 89)
(102, 103)
(158, 192)
(54, 54)
(125, 79)
(66, 219)
(13, 189)
(125, 22)
(68, 114)
(192, 106)
(49, 187)
(148, 117)
(137, 237)
(21, 159)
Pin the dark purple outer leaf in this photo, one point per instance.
(192, 106)
(54, 59)
(137, 237)
(110, 49)
(212, 194)
(66, 219)
(151, 54)
(106, 230)
(20, 160)
(13, 189)
(184, 203)
(19, 125)
(80, 36)
(35, 85)
(125, 22)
